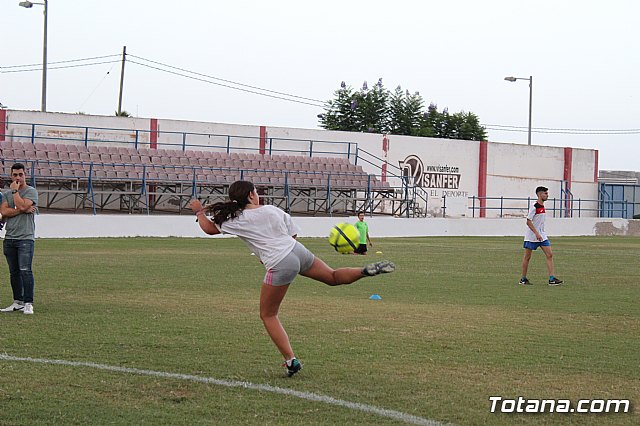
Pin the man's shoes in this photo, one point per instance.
(293, 368)
(555, 282)
(28, 309)
(525, 281)
(15, 306)
(382, 267)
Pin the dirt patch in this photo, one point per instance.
(607, 229)
(633, 228)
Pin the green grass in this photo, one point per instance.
(452, 329)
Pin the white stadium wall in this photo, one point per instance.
(449, 169)
(450, 172)
(514, 171)
(100, 226)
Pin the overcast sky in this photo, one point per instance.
(583, 56)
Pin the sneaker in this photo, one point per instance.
(15, 306)
(525, 281)
(555, 282)
(28, 309)
(382, 267)
(294, 367)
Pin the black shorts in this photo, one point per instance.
(362, 249)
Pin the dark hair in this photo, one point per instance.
(541, 189)
(360, 212)
(238, 199)
(18, 166)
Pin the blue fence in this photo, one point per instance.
(557, 207)
(54, 133)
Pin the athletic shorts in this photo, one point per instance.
(298, 260)
(533, 245)
(362, 249)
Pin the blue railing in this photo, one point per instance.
(627, 196)
(87, 177)
(136, 138)
(558, 207)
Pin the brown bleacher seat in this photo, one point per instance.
(207, 166)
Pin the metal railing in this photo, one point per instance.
(416, 198)
(616, 194)
(136, 138)
(558, 207)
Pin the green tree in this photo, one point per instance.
(429, 122)
(397, 124)
(340, 112)
(400, 113)
(471, 129)
(405, 112)
(414, 107)
(372, 109)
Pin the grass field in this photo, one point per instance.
(452, 329)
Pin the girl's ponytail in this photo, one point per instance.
(239, 198)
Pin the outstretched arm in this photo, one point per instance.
(205, 223)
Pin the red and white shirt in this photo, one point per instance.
(538, 215)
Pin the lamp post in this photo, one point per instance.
(512, 79)
(29, 5)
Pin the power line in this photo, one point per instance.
(60, 67)
(572, 130)
(227, 81)
(224, 85)
(60, 62)
(541, 130)
(96, 88)
(182, 72)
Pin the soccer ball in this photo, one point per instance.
(344, 238)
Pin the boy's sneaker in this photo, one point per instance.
(382, 267)
(525, 281)
(15, 306)
(555, 282)
(293, 368)
(28, 309)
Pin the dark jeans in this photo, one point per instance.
(19, 254)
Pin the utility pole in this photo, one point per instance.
(124, 59)
(29, 5)
(44, 59)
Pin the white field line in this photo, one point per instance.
(397, 415)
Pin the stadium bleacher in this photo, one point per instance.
(107, 177)
(101, 162)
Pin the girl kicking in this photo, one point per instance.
(270, 234)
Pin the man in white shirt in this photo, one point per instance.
(535, 237)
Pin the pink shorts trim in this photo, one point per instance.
(268, 278)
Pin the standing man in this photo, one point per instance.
(363, 228)
(18, 208)
(535, 237)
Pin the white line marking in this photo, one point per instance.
(397, 415)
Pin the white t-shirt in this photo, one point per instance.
(267, 231)
(537, 214)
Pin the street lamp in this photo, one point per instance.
(512, 79)
(29, 5)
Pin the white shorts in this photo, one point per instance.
(298, 260)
